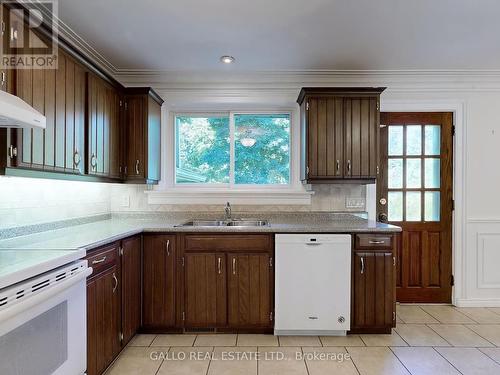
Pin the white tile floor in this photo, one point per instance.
(430, 340)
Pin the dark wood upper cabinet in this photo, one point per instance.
(60, 96)
(340, 134)
(141, 150)
(159, 281)
(131, 271)
(103, 130)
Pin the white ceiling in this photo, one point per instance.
(277, 35)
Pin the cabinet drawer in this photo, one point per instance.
(373, 241)
(249, 242)
(102, 259)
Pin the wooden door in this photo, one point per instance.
(136, 108)
(103, 320)
(159, 281)
(372, 291)
(361, 120)
(60, 96)
(205, 290)
(415, 192)
(131, 268)
(325, 138)
(250, 290)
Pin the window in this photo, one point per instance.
(232, 149)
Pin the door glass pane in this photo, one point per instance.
(395, 173)
(432, 139)
(432, 205)
(432, 173)
(413, 173)
(413, 203)
(395, 140)
(395, 206)
(414, 140)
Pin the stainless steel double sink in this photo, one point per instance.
(226, 223)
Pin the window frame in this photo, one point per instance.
(232, 186)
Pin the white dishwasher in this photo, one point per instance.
(313, 284)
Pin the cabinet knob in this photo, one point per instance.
(76, 158)
(93, 162)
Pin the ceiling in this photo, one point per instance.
(289, 35)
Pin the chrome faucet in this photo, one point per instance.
(227, 211)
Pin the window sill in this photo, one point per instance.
(189, 196)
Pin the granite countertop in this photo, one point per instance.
(92, 235)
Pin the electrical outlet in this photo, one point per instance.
(125, 200)
(355, 203)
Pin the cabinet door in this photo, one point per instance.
(205, 290)
(136, 109)
(131, 287)
(373, 290)
(103, 122)
(59, 95)
(325, 138)
(152, 161)
(361, 137)
(103, 320)
(250, 290)
(158, 281)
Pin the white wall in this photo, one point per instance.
(473, 96)
(26, 201)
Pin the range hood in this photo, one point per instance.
(16, 113)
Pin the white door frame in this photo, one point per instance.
(459, 177)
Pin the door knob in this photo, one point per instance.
(383, 217)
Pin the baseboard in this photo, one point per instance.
(477, 302)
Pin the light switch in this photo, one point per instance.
(355, 203)
(125, 200)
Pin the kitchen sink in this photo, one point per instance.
(226, 223)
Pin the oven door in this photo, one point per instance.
(45, 332)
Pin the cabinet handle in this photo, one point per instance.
(234, 266)
(93, 162)
(338, 167)
(348, 167)
(376, 242)
(100, 260)
(76, 158)
(219, 265)
(116, 282)
(137, 167)
(168, 247)
(126, 170)
(362, 265)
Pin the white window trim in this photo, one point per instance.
(167, 192)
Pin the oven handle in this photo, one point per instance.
(43, 295)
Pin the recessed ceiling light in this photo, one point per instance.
(227, 59)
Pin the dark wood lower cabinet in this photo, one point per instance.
(159, 282)
(227, 282)
(103, 320)
(205, 290)
(373, 291)
(250, 290)
(113, 301)
(131, 287)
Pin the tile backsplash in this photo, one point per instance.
(26, 201)
(328, 198)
